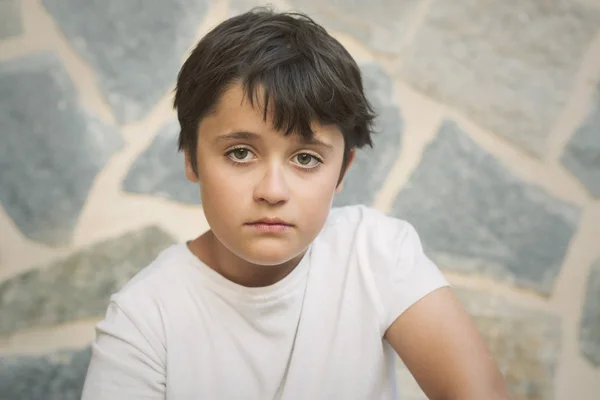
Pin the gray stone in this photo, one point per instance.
(52, 148)
(57, 376)
(382, 25)
(589, 331)
(582, 154)
(507, 64)
(80, 285)
(160, 170)
(136, 47)
(526, 343)
(527, 360)
(10, 18)
(474, 215)
(372, 165)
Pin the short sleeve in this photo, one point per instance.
(413, 276)
(402, 272)
(127, 362)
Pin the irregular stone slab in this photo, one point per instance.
(80, 285)
(507, 64)
(372, 165)
(160, 170)
(10, 18)
(582, 154)
(58, 376)
(135, 47)
(525, 344)
(474, 215)
(52, 148)
(589, 331)
(381, 25)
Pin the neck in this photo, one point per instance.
(219, 258)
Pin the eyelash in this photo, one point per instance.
(240, 163)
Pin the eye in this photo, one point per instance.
(240, 154)
(306, 160)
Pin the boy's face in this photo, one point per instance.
(250, 172)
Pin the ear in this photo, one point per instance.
(351, 156)
(189, 170)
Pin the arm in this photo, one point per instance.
(441, 347)
(125, 363)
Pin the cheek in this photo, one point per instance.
(221, 206)
(315, 196)
(221, 190)
(315, 193)
(217, 188)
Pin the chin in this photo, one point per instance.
(269, 256)
(267, 260)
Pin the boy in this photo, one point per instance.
(284, 297)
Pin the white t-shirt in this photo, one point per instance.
(179, 330)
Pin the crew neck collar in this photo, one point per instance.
(262, 294)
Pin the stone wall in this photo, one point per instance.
(489, 145)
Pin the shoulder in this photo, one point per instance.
(147, 291)
(371, 229)
(153, 275)
(390, 254)
(387, 246)
(138, 311)
(364, 216)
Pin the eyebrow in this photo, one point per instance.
(237, 136)
(246, 135)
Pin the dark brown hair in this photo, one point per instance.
(285, 60)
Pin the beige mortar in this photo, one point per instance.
(578, 101)
(72, 335)
(41, 32)
(17, 254)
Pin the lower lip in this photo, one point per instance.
(270, 228)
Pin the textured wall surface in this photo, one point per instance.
(490, 145)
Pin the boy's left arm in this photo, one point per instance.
(440, 345)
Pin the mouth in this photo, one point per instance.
(270, 225)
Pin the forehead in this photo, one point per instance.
(235, 112)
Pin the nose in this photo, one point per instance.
(272, 187)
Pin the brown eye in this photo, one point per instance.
(240, 154)
(304, 158)
(307, 160)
